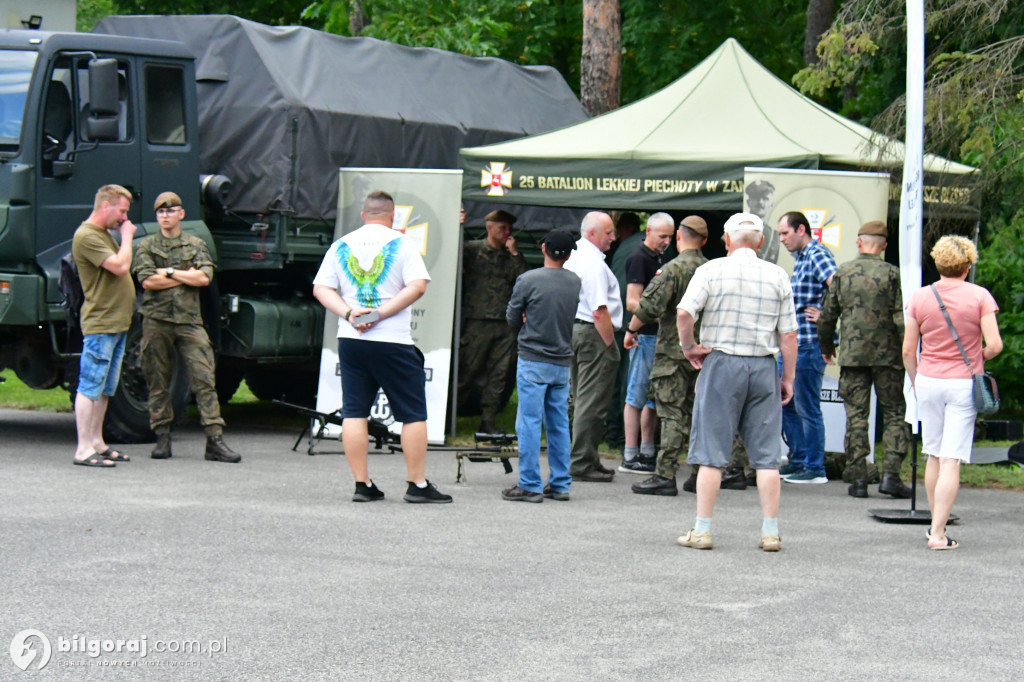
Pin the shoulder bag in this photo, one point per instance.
(984, 390)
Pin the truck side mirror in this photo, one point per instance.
(104, 109)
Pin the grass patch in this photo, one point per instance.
(16, 395)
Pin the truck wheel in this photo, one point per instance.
(127, 419)
(291, 383)
(229, 378)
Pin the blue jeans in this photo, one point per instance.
(641, 359)
(543, 400)
(802, 422)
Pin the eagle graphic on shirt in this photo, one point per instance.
(368, 280)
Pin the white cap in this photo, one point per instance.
(742, 222)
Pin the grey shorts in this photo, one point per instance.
(736, 392)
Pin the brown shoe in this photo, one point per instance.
(594, 476)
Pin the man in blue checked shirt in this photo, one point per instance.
(802, 422)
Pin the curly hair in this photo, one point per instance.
(953, 255)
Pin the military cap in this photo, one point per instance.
(167, 200)
(875, 228)
(500, 216)
(697, 224)
(760, 188)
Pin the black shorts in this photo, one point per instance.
(397, 368)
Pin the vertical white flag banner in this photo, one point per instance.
(911, 202)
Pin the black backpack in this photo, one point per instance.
(70, 286)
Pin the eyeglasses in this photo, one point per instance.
(168, 211)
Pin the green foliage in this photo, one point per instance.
(89, 13)
(272, 12)
(661, 41)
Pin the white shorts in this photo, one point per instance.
(946, 410)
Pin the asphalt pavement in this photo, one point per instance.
(265, 570)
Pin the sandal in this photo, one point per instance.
(95, 460)
(114, 456)
(950, 544)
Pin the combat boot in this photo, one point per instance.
(892, 485)
(163, 446)
(218, 451)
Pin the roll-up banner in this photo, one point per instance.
(836, 204)
(427, 211)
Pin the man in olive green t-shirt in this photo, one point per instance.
(104, 268)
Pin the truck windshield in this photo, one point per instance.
(15, 75)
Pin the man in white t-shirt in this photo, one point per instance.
(595, 353)
(369, 278)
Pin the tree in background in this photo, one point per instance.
(600, 69)
(974, 113)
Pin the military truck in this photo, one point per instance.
(248, 124)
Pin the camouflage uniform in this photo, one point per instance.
(172, 319)
(865, 296)
(487, 343)
(672, 376)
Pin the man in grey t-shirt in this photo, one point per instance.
(542, 309)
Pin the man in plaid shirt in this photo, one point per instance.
(802, 422)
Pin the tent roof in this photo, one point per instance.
(727, 112)
(266, 93)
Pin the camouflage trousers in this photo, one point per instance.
(485, 351)
(673, 401)
(855, 390)
(160, 340)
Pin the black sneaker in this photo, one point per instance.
(428, 495)
(517, 494)
(367, 493)
(690, 484)
(640, 465)
(556, 494)
(656, 485)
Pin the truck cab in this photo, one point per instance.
(78, 111)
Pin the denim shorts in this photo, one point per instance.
(394, 368)
(641, 359)
(101, 364)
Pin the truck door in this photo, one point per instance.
(170, 158)
(72, 167)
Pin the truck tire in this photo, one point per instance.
(229, 378)
(283, 382)
(127, 419)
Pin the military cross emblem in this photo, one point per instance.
(497, 179)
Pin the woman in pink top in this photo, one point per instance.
(941, 379)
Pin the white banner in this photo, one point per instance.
(427, 206)
(911, 202)
(836, 204)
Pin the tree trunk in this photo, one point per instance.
(820, 14)
(357, 20)
(600, 75)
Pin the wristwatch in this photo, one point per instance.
(170, 272)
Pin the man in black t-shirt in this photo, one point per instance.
(638, 415)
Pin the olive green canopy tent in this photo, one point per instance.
(685, 147)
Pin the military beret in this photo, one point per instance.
(875, 228)
(167, 200)
(697, 224)
(500, 216)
